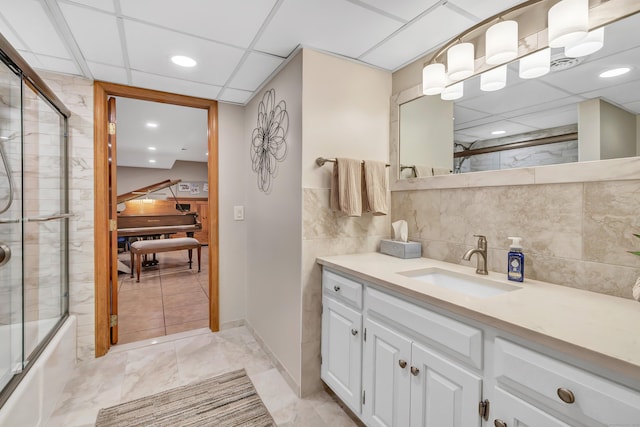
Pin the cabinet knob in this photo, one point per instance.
(566, 395)
(499, 423)
(354, 332)
(415, 371)
(336, 288)
(402, 363)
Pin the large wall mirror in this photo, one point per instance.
(569, 115)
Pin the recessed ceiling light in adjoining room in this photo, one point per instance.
(498, 132)
(151, 148)
(183, 61)
(152, 161)
(152, 125)
(614, 72)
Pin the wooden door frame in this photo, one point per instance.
(101, 92)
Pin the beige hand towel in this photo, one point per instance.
(423, 171)
(375, 181)
(346, 187)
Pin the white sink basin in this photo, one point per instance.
(469, 285)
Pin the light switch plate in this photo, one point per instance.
(238, 213)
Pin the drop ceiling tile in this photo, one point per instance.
(236, 96)
(10, 35)
(484, 131)
(255, 70)
(634, 107)
(29, 19)
(406, 9)
(325, 25)
(168, 84)
(485, 8)
(234, 22)
(464, 115)
(621, 94)
(59, 65)
(418, 38)
(550, 118)
(216, 62)
(106, 5)
(108, 73)
(133, 158)
(31, 59)
(99, 46)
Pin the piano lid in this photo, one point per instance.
(146, 190)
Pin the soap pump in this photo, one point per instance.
(515, 266)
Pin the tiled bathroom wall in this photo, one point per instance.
(327, 233)
(77, 94)
(574, 234)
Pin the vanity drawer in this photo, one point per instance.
(340, 287)
(556, 383)
(456, 338)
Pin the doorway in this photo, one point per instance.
(105, 225)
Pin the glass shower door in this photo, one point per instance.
(11, 248)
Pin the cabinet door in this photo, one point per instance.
(387, 356)
(342, 351)
(203, 216)
(442, 393)
(513, 412)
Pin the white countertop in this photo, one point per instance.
(596, 328)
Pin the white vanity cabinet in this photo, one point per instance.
(395, 362)
(408, 383)
(341, 367)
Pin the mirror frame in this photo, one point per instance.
(598, 170)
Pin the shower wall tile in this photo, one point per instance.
(574, 234)
(77, 95)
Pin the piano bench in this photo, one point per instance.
(143, 247)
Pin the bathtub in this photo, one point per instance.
(33, 400)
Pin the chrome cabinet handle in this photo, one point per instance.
(566, 395)
(402, 363)
(415, 371)
(499, 423)
(354, 332)
(336, 288)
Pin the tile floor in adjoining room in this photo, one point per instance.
(147, 367)
(169, 298)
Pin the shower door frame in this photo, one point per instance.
(101, 93)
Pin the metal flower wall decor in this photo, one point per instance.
(268, 140)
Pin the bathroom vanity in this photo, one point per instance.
(421, 342)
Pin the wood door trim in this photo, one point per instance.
(101, 92)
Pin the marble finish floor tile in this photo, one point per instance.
(140, 369)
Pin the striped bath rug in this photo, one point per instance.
(226, 400)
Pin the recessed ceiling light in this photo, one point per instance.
(152, 125)
(498, 132)
(615, 72)
(183, 61)
(152, 161)
(4, 137)
(151, 148)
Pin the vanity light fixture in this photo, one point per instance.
(593, 42)
(184, 61)
(493, 80)
(152, 125)
(568, 22)
(535, 65)
(453, 92)
(460, 61)
(434, 79)
(501, 42)
(614, 72)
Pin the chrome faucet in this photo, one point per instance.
(481, 252)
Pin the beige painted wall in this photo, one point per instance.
(345, 113)
(617, 132)
(273, 227)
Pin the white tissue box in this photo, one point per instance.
(401, 249)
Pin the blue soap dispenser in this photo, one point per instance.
(515, 266)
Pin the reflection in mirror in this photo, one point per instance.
(571, 114)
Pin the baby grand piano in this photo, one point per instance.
(149, 218)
